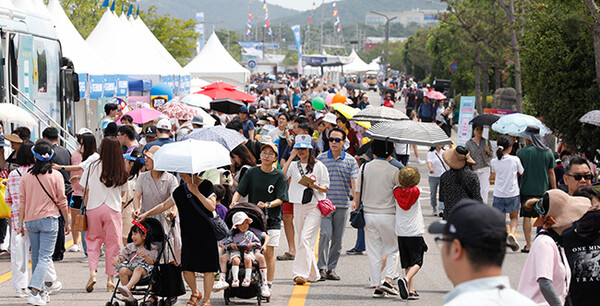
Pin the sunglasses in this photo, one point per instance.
(578, 177)
(335, 140)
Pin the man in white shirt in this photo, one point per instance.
(473, 246)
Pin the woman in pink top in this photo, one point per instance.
(42, 196)
(546, 275)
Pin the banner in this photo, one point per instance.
(176, 85)
(252, 49)
(109, 86)
(122, 85)
(138, 102)
(465, 115)
(167, 79)
(298, 38)
(83, 81)
(96, 86)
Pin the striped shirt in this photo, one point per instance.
(342, 171)
(11, 195)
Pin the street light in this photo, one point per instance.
(387, 37)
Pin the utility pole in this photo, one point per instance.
(387, 39)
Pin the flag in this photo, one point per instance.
(112, 7)
(267, 24)
(105, 3)
(339, 28)
(130, 11)
(137, 14)
(335, 12)
(249, 15)
(333, 4)
(310, 19)
(337, 21)
(248, 32)
(270, 32)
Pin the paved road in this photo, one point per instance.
(352, 289)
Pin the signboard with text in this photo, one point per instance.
(465, 115)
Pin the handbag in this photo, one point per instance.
(218, 225)
(80, 221)
(308, 193)
(166, 278)
(4, 208)
(326, 207)
(357, 216)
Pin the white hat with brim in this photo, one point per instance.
(239, 218)
(331, 118)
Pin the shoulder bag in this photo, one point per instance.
(357, 217)
(217, 224)
(166, 277)
(80, 222)
(308, 193)
(325, 205)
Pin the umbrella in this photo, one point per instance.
(484, 120)
(435, 95)
(227, 137)
(208, 119)
(409, 132)
(349, 112)
(278, 86)
(592, 117)
(142, 115)
(516, 123)
(264, 86)
(218, 85)
(379, 114)
(226, 92)
(178, 110)
(227, 106)
(10, 113)
(387, 89)
(191, 156)
(197, 100)
(353, 86)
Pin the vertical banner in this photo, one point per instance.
(176, 85)
(167, 79)
(27, 66)
(83, 81)
(109, 86)
(122, 85)
(298, 38)
(96, 86)
(188, 83)
(465, 115)
(200, 30)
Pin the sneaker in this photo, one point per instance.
(246, 282)
(403, 286)
(378, 294)
(85, 260)
(265, 291)
(421, 162)
(46, 296)
(235, 283)
(388, 288)
(74, 248)
(36, 299)
(220, 286)
(512, 242)
(435, 212)
(354, 251)
(54, 287)
(286, 256)
(21, 293)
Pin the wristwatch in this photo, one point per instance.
(62, 168)
(268, 204)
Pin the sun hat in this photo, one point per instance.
(14, 138)
(264, 139)
(475, 224)
(409, 177)
(198, 120)
(150, 153)
(164, 124)
(239, 218)
(303, 142)
(532, 133)
(562, 208)
(457, 157)
(331, 118)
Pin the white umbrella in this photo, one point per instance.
(10, 113)
(410, 132)
(197, 100)
(191, 156)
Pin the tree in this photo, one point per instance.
(509, 8)
(595, 13)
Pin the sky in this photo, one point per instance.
(301, 5)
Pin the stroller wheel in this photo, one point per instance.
(108, 304)
(162, 303)
(226, 296)
(259, 298)
(134, 303)
(115, 304)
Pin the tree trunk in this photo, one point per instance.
(497, 77)
(486, 82)
(478, 81)
(509, 8)
(595, 11)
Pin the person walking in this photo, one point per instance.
(480, 151)
(307, 217)
(546, 275)
(375, 190)
(459, 182)
(437, 167)
(538, 162)
(473, 247)
(41, 200)
(506, 190)
(343, 172)
(195, 199)
(104, 183)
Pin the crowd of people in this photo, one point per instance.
(296, 159)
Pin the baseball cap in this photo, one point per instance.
(270, 145)
(84, 131)
(303, 142)
(164, 124)
(331, 118)
(133, 158)
(475, 224)
(243, 109)
(150, 131)
(2, 142)
(198, 120)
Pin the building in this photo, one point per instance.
(371, 41)
(418, 16)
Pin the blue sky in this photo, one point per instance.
(301, 5)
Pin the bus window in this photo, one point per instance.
(42, 66)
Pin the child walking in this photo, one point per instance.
(409, 229)
(136, 259)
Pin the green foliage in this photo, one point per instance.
(291, 58)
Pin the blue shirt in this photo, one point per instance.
(248, 126)
(296, 98)
(341, 171)
(426, 110)
(486, 291)
(159, 142)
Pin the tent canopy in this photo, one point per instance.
(356, 65)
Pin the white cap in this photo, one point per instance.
(331, 118)
(164, 124)
(239, 218)
(84, 131)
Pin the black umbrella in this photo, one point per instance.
(353, 86)
(264, 86)
(387, 89)
(227, 106)
(484, 120)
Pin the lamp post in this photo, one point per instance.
(387, 39)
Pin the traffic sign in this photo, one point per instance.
(251, 64)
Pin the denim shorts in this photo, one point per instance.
(507, 205)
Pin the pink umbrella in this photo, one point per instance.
(178, 110)
(435, 95)
(142, 115)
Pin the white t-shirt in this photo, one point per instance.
(409, 223)
(401, 148)
(98, 193)
(437, 164)
(506, 170)
(86, 163)
(319, 173)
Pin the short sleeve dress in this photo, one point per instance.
(199, 251)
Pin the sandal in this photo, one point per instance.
(205, 303)
(286, 256)
(194, 299)
(89, 287)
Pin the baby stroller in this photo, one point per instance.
(258, 225)
(145, 285)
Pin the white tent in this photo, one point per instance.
(356, 65)
(374, 64)
(214, 63)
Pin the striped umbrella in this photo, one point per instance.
(409, 132)
(379, 114)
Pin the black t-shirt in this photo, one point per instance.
(261, 186)
(63, 157)
(583, 254)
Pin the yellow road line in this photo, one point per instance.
(301, 291)
(8, 275)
